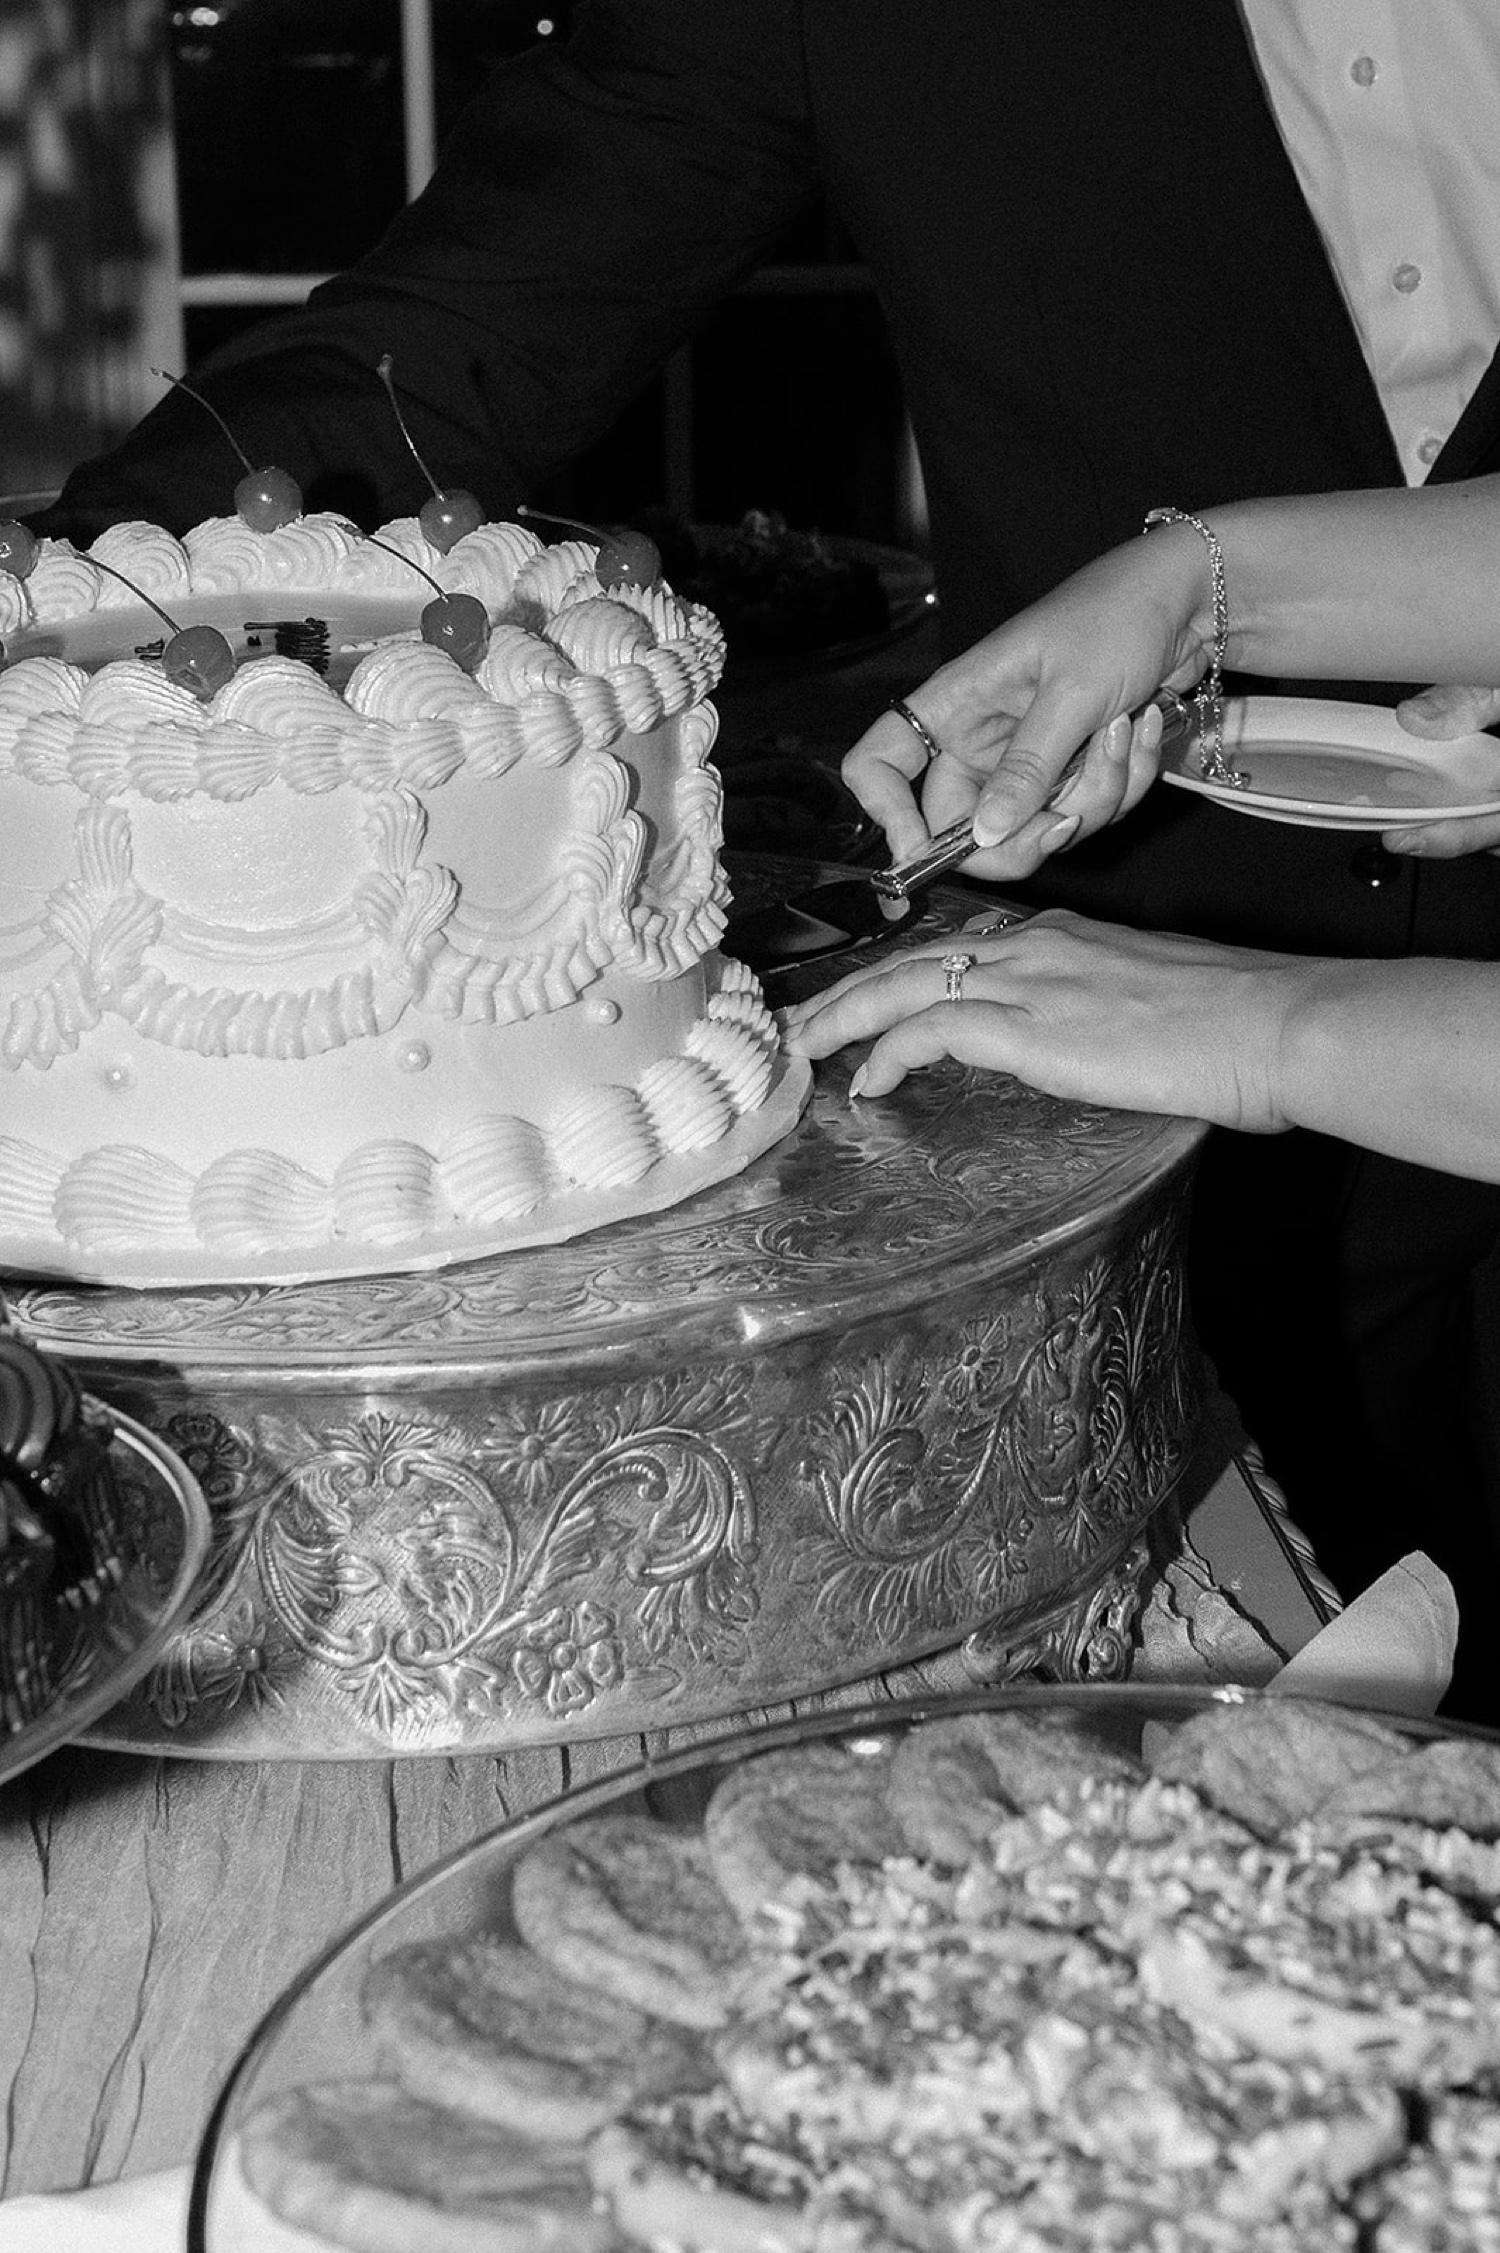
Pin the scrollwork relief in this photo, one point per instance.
(424, 1569)
(983, 1470)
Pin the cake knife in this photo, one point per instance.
(955, 844)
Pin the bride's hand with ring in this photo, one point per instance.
(1079, 1009)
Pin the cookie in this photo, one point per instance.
(366, 2167)
(1450, 1784)
(484, 2026)
(785, 1821)
(1274, 1761)
(624, 1903)
(953, 1780)
(658, 2204)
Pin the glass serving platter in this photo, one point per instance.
(318, 2032)
(113, 1646)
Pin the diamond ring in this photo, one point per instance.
(956, 968)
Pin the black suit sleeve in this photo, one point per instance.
(593, 202)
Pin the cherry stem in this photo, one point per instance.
(387, 549)
(139, 592)
(574, 524)
(383, 370)
(180, 385)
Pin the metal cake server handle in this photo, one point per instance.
(955, 844)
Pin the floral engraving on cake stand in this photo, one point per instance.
(431, 1575)
(1090, 1642)
(1012, 1459)
(638, 1553)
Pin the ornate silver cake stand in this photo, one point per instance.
(920, 1374)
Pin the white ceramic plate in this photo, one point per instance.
(1326, 765)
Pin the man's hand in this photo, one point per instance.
(1441, 714)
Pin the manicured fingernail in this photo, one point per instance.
(1117, 736)
(857, 1084)
(993, 828)
(1057, 835)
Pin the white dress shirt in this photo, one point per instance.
(1390, 112)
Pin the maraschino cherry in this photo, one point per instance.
(18, 549)
(449, 516)
(459, 624)
(197, 658)
(265, 499)
(625, 559)
(456, 623)
(18, 554)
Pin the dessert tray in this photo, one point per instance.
(1320, 764)
(116, 1645)
(1214, 1969)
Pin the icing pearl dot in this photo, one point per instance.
(601, 1012)
(415, 1057)
(117, 1077)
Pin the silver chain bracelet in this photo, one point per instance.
(1214, 764)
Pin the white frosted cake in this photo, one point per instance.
(364, 961)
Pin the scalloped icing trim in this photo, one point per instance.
(419, 945)
(569, 668)
(389, 1194)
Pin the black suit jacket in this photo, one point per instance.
(1102, 282)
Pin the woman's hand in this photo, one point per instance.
(1079, 1009)
(1439, 715)
(1010, 714)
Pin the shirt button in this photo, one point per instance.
(1363, 70)
(1430, 448)
(1407, 278)
(1374, 866)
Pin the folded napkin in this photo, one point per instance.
(1393, 1647)
(143, 2214)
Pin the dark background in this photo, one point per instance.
(290, 159)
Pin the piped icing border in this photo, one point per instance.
(391, 1194)
(568, 668)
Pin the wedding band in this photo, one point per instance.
(923, 734)
(956, 968)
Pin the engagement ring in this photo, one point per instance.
(956, 968)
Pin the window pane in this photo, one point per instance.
(290, 135)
